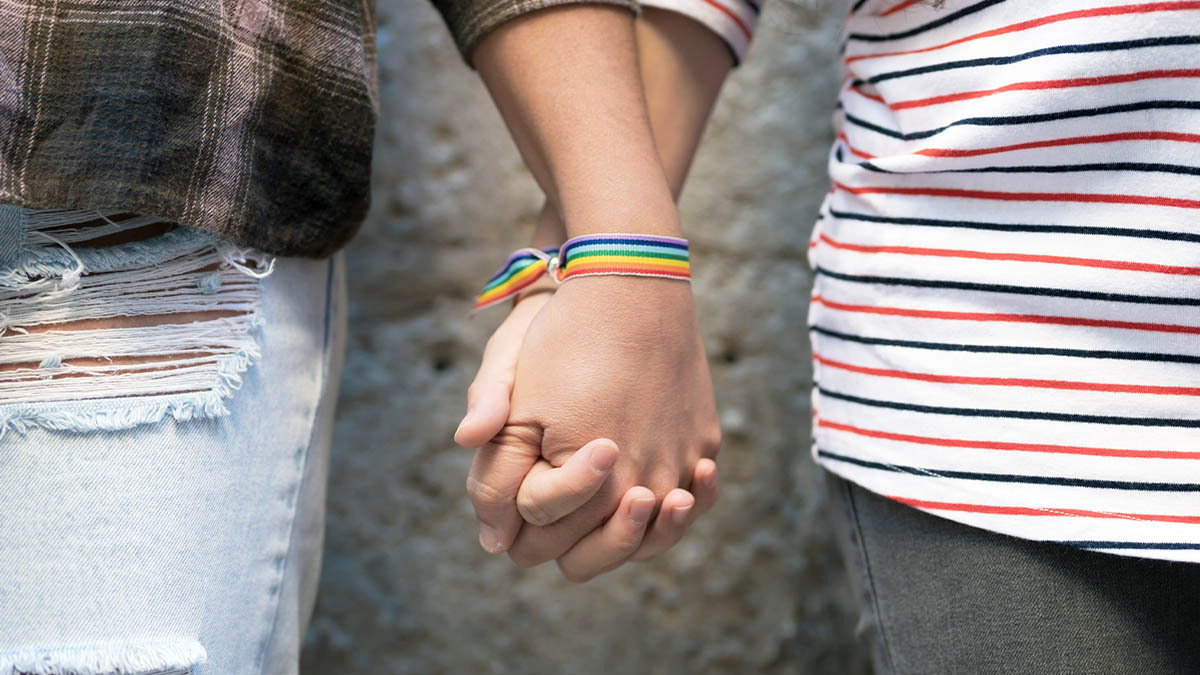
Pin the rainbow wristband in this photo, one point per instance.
(640, 255)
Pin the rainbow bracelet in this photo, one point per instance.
(640, 255)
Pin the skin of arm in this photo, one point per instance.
(680, 67)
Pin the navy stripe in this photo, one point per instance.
(1141, 43)
(1015, 414)
(936, 23)
(1145, 167)
(1140, 545)
(1006, 349)
(1028, 119)
(621, 240)
(857, 6)
(1168, 235)
(1142, 486)
(1008, 288)
(507, 269)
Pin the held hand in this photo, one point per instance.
(617, 358)
(508, 470)
(605, 357)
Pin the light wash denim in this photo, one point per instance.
(189, 543)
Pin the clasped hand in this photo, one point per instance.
(595, 424)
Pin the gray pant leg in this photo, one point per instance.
(942, 598)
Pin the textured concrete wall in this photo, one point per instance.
(757, 586)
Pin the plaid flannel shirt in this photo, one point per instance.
(249, 118)
(252, 119)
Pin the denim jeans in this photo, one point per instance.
(941, 598)
(184, 538)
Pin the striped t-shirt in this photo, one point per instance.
(1006, 310)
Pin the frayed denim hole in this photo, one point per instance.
(100, 314)
(164, 657)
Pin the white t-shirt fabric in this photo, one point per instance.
(1005, 315)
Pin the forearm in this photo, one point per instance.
(567, 83)
(682, 65)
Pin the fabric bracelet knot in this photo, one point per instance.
(640, 255)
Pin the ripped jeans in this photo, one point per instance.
(166, 404)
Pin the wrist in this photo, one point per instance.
(620, 254)
(549, 231)
(603, 208)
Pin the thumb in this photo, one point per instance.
(489, 394)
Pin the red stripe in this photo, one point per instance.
(1049, 84)
(1011, 318)
(902, 6)
(873, 97)
(1016, 257)
(1047, 511)
(1144, 200)
(729, 13)
(1003, 445)
(1053, 18)
(638, 271)
(1034, 383)
(1057, 142)
(481, 302)
(852, 149)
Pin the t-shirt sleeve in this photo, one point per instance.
(733, 20)
(470, 20)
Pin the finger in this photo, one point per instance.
(609, 545)
(535, 545)
(679, 510)
(489, 393)
(548, 494)
(492, 485)
(673, 518)
(705, 487)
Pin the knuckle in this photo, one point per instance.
(574, 575)
(523, 439)
(667, 478)
(628, 542)
(484, 495)
(644, 556)
(532, 511)
(669, 544)
(523, 556)
(650, 547)
(712, 439)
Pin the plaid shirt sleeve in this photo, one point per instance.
(253, 120)
(470, 20)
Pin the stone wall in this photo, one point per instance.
(757, 586)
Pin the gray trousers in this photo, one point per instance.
(942, 598)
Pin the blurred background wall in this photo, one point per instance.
(757, 586)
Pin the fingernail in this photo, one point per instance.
(466, 418)
(679, 514)
(489, 539)
(640, 509)
(603, 458)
